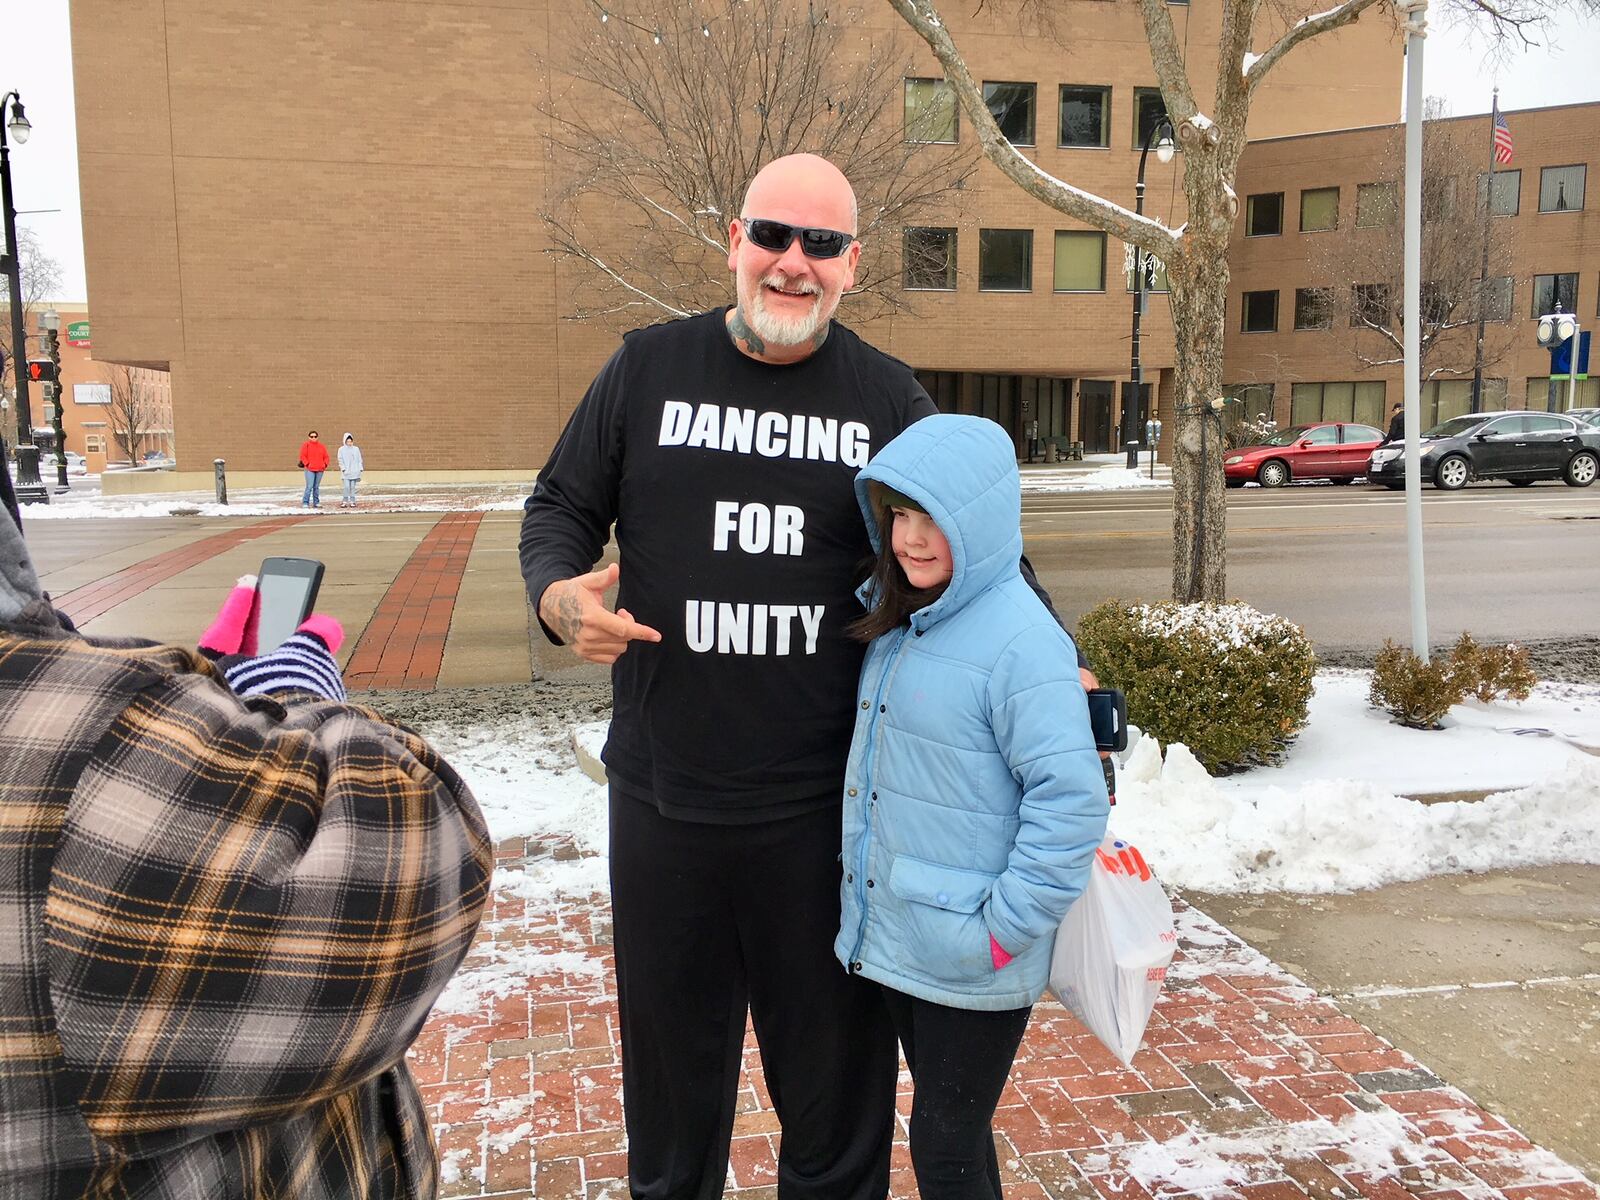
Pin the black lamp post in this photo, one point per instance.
(1160, 136)
(29, 489)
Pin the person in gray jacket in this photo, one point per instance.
(350, 468)
(974, 798)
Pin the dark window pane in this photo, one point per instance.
(1371, 304)
(1263, 215)
(1497, 298)
(1260, 312)
(1085, 116)
(930, 259)
(1011, 106)
(1551, 290)
(1313, 308)
(1149, 110)
(1005, 260)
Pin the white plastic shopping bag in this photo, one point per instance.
(1113, 948)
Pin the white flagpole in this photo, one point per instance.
(1415, 13)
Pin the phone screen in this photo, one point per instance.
(1105, 720)
(284, 600)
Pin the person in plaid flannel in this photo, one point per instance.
(225, 912)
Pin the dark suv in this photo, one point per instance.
(1519, 447)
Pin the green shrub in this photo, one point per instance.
(1231, 683)
(1418, 693)
(1414, 692)
(1489, 672)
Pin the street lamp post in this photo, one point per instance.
(1160, 136)
(29, 489)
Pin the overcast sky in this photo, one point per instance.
(36, 60)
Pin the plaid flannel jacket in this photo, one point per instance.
(222, 922)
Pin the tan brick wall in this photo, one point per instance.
(1544, 243)
(328, 216)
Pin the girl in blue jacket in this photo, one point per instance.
(974, 798)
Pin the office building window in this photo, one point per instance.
(1561, 188)
(943, 388)
(930, 259)
(1377, 204)
(1149, 109)
(1361, 402)
(1551, 290)
(1260, 312)
(1507, 198)
(1438, 197)
(1371, 304)
(1005, 260)
(1253, 403)
(1319, 210)
(1080, 261)
(1313, 308)
(1543, 398)
(1011, 106)
(1085, 115)
(930, 112)
(1263, 215)
(1155, 271)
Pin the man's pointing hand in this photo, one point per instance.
(576, 610)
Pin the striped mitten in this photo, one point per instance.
(303, 663)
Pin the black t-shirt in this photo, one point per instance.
(731, 485)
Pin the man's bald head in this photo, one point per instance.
(806, 181)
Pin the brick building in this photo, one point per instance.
(91, 393)
(333, 221)
(1321, 213)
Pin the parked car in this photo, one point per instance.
(1519, 447)
(76, 463)
(1589, 415)
(1327, 450)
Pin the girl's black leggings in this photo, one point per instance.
(959, 1060)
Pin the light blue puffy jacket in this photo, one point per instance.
(974, 799)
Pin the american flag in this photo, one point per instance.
(1502, 138)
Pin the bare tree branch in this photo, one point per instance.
(1302, 30)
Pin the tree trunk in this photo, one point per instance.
(1199, 308)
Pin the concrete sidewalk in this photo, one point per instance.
(1249, 1084)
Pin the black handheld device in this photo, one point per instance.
(1108, 718)
(286, 589)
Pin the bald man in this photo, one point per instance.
(724, 448)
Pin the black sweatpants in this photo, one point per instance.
(712, 920)
(959, 1060)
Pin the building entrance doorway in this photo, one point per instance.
(1095, 402)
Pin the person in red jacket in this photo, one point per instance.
(313, 461)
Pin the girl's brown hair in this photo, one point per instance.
(893, 597)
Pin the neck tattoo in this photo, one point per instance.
(739, 329)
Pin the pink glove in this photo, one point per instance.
(234, 630)
(326, 628)
(997, 953)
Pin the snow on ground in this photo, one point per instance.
(1333, 817)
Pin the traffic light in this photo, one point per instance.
(42, 370)
(1555, 328)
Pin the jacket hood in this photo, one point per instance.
(963, 471)
(21, 598)
(346, 438)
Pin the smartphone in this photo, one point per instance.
(1108, 718)
(286, 588)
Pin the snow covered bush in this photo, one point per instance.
(1231, 683)
(1418, 694)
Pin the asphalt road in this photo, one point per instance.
(1501, 562)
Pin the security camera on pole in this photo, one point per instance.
(1569, 354)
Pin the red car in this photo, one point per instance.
(1328, 450)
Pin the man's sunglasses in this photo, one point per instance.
(814, 243)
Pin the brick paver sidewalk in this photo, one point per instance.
(1248, 1084)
